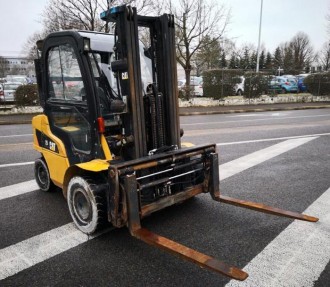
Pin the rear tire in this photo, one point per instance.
(87, 204)
(283, 91)
(42, 176)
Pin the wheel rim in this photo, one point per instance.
(42, 175)
(82, 207)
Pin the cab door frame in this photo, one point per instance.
(74, 40)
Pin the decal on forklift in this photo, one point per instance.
(46, 142)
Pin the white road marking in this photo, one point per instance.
(13, 136)
(254, 120)
(273, 139)
(247, 115)
(297, 256)
(238, 165)
(18, 189)
(27, 253)
(16, 164)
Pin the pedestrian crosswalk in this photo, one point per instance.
(27, 253)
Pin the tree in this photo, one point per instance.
(209, 55)
(253, 60)
(262, 58)
(245, 61)
(278, 58)
(288, 59)
(223, 61)
(195, 20)
(4, 67)
(78, 15)
(269, 61)
(302, 51)
(232, 62)
(324, 56)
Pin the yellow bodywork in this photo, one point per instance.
(95, 165)
(187, 144)
(57, 161)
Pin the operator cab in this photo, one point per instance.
(81, 93)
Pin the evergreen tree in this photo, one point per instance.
(288, 60)
(268, 63)
(253, 61)
(232, 62)
(262, 63)
(238, 63)
(278, 60)
(245, 62)
(209, 56)
(223, 62)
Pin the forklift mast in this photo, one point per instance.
(153, 117)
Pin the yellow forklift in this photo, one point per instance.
(109, 136)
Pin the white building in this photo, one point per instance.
(16, 65)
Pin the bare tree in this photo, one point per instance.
(195, 20)
(73, 14)
(324, 56)
(297, 54)
(302, 51)
(79, 15)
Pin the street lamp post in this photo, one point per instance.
(258, 52)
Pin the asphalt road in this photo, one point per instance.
(278, 158)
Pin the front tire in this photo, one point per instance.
(86, 204)
(42, 176)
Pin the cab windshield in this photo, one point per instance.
(106, 83)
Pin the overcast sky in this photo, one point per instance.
(282, 19)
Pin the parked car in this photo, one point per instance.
(196, 86)
(1, 92)
(301, 86)
(239, 86)
(274, 86)
(9, 89)
(288, 85)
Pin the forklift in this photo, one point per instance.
(109, 136)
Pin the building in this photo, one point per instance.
(16, 65)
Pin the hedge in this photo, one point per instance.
(318, 84)
(27, 95)
(255, 84)
(219, 83)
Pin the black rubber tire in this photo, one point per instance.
(42, 176)
(87, 205)
(283, 91)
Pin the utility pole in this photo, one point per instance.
(258, 52)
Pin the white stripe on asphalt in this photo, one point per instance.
(273, 139)
(238, 165)
(297, 256)
(27, 253)
(16, 164)
(18, 189)
(13, 136)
